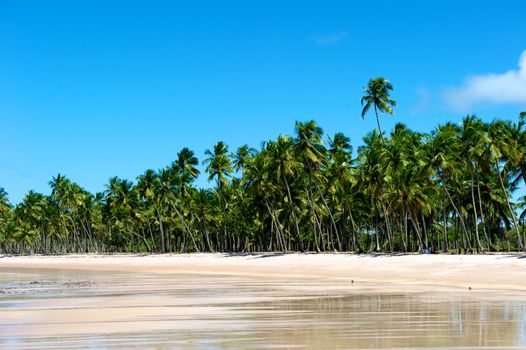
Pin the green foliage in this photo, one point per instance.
(449, 190)
(376, 95)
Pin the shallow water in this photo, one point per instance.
(65, 309)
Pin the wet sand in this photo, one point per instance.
(210, 301)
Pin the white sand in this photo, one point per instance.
(498, 272)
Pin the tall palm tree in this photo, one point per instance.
(147, 187)
(309, 151)
(376, 95)
(445, 159)
(204, 210)
(218, 164)
(284, 166)
(341, 172)
(503, 147)
(185, 173)
(30, 215)
(260, 184)
(408, 190)
(474, 140)
(372, 160)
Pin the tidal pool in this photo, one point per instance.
(66, 309)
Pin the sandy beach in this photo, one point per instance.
(314, 301)
(500, 272)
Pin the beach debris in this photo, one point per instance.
(79, 284)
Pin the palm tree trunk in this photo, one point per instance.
(163, 242)
(291, 208)
(519, 239)
(378, 122)
(425, 238)
(275, 223)
(333, 222)
(453, 204)
(185, 226)
(316, 223)
(446, 238)
(353, 226)
(479, 246)
(387, 226)
(417, 230)
(483, 218)
(405, 235)
(151, 235)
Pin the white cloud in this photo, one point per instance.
(492, 88)
(330, 38)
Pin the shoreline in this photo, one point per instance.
(495, 272)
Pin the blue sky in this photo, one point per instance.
(91, 89)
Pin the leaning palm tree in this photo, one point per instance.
(376, 94)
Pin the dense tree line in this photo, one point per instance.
(449, 190)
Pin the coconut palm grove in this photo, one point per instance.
(452, 189)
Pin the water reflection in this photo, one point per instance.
(398, 321)
(56, 309)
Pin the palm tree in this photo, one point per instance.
(408, 190)
(474, 139)
(242, 156)
(218, 164)
(260, 184)
(372, 160)
(452, 189)
(340, 173)
(204, 210)
(147, 187)
(5, 207)
(29, 216)
(445, 159)
(503, 147)
(310, 152)
(185, 165)
(284, 166)
(376, 94)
